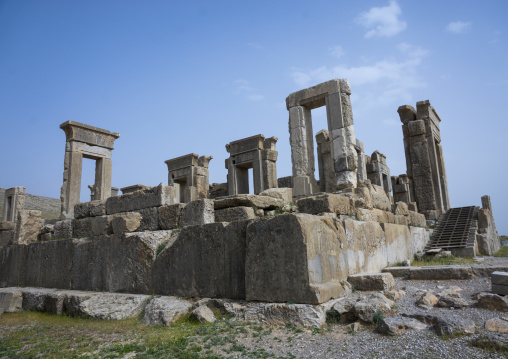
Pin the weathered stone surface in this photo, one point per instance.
(63, 229)
(149, 219)
(372, 281)
(217, 190)
(440, 272)
(7, 226)
(427, 299)
(394, 294)
(285, 194)
(401, 208)
(198, 212)
(366, 308)
(417, 219)
(90, 209)
(398, 243)
(203, 261)
(394, 326)
(497, 325)
(234, 214)
(110, 306)
(454, 326)
(11, 299)
(28, 225)
(446, 301)
(295, 257)
(324, 203)
(492, 302)
(304, 315)
(248, 200)
(165, 310)
(314, 96)
(154, 197)
(203, 314)
(379, 198)
(496, 341)
(125, 222)
(169, 216)
(6, 238)
(82, 228)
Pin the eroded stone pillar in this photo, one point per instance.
(92, 143)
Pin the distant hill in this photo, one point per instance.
(50, 207)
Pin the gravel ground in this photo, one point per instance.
(338, 341)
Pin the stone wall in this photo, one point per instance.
(293, 257)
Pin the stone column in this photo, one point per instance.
(14, 201)
(71, 187)
(302, 151)
(325, 162)
(269, 163)
(361, 174)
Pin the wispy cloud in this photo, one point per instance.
(389, 80)
(382, 21)
(459, 27)
(244, 87)
(337, 51)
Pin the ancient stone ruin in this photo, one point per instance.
(294, 239)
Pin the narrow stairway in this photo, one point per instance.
(456, 229)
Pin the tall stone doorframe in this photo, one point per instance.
(14, 202)
(190, 177)
(84, 141)
(424, 158)
(334, 95)
(254, 152)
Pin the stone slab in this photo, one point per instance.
(499, 278)
(248, 200)
(90, 209)
(325, 203)
(154, 197)
(500, 289)
(234, 214)
(372, 281)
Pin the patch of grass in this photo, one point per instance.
(378, 317)
(502, 252)
(441, 261)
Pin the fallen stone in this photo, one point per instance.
(394, 294)
(285, 194)
(372, 281)
(447, 301)
(11, 299)
(165, 310)
(325, 203)
(248, 200)
(440, 272)
(428, 299)
(203, 314)
(110, 306)
(454, 326)
(366, 308)
(234, 214)
(394, 326)
(34, 299)
(492, 302)
(497, 325)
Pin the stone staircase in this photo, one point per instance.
(456, 231)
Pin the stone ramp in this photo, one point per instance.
(456, 230)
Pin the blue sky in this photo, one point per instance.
(179, 77)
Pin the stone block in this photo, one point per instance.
(499, 278)
(198, 212)
(364, 214)
(154, 197)
(401, 208)
(63, 229)
(402, 220)
(440, 273)
(406, 113)
(11, 299)
(234, 214)
(90, 209)
(325, 203)
(28, 226)
(203, 261)
(412, 206)
(149, 219)
(285, 182)
(499, 289)
(169, 216)
(101, 225)
(379, 198)
(6, 238)
(82, 227)
(165, 310)
(248, 200)
(416, 128)
(285, 194)
(372, 281)
(125, 222)
(417, 219)
(294, 257)
(7, 226)
(217, 190)
(314, 96)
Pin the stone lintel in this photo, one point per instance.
(14, 191)
(183, 161)
(76, 131)
(252, 143)
(314, 97)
